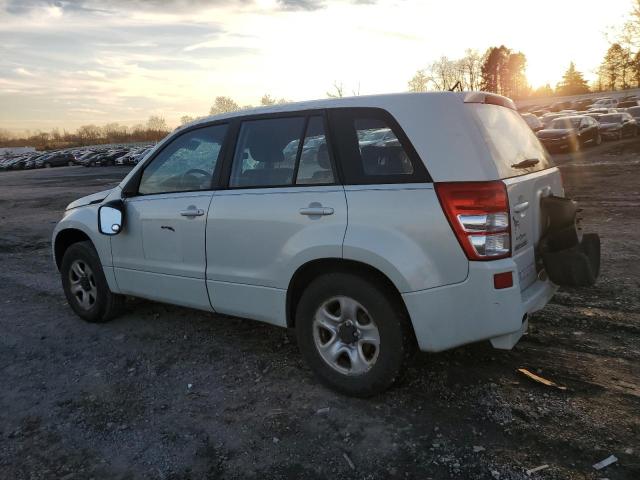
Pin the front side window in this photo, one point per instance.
(266, 152)
(187, 163)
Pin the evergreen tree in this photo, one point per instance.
(573, 83)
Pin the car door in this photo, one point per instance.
(283, 208)
(160, 253)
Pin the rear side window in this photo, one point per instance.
(515, 148)
(373, 149)
(266, 152)
(315, 165)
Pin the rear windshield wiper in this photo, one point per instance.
(530, 162)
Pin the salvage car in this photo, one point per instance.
(615, 126)
(534, 122)
(570, 133)
(455, 232)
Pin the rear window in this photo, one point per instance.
(514, 147)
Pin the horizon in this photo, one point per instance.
(70, 63)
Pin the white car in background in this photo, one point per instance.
(452, 230)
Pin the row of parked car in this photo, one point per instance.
(93, 156)
(589, 123)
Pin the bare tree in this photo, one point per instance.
(223, 105)
(157, 123)
(471, 68)
(267, 100)
(338, 90)
(419, 82)
(186, 119)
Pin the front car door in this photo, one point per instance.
(160, 253)
(283, 208)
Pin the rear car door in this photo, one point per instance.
(283, 207)
(160, 253)
(526, 168)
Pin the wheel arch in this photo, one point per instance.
(307, 272)
(64, 239)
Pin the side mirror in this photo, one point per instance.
(110, 217)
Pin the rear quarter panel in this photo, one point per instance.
(402, 231)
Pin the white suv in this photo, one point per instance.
(371, 225)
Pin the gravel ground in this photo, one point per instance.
(170, 393)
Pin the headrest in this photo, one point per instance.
(322, 156)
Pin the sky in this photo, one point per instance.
(66, 63)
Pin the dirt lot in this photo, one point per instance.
(171, 393)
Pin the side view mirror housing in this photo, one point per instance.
(111, 217)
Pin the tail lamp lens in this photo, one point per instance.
(479, 215)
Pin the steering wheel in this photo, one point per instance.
(194, 172)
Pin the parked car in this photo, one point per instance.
(540, 113)
(456, 258)
(548, 118)
(582, 104)
(56, 159)
(599, 110)
(627, 104)
(534, 122)
(618, 125)
(634, 112)
(558, 106)
(605, 103)
(570, 133)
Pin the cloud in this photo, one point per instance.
(23, 72)
(307, 5)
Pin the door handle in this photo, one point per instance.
(316, 211)
(521, 207)
(192, 212)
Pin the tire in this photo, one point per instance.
(85, 285)
(92, 163)
(47, 165)
(70, 163)
(381, 319)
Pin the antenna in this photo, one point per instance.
(457, 85)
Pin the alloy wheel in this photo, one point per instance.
(83, 284)
(346, 336)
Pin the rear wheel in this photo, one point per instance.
(353, 335)
(85, 285)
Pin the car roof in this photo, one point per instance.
(384, 101)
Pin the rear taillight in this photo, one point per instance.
(479, 215)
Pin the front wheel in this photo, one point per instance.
(85, 285)
(353, 335)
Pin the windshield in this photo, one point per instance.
(610, 119)
(514, 146)
(565, 123)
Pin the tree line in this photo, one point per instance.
(499, 70)
(153, 130)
